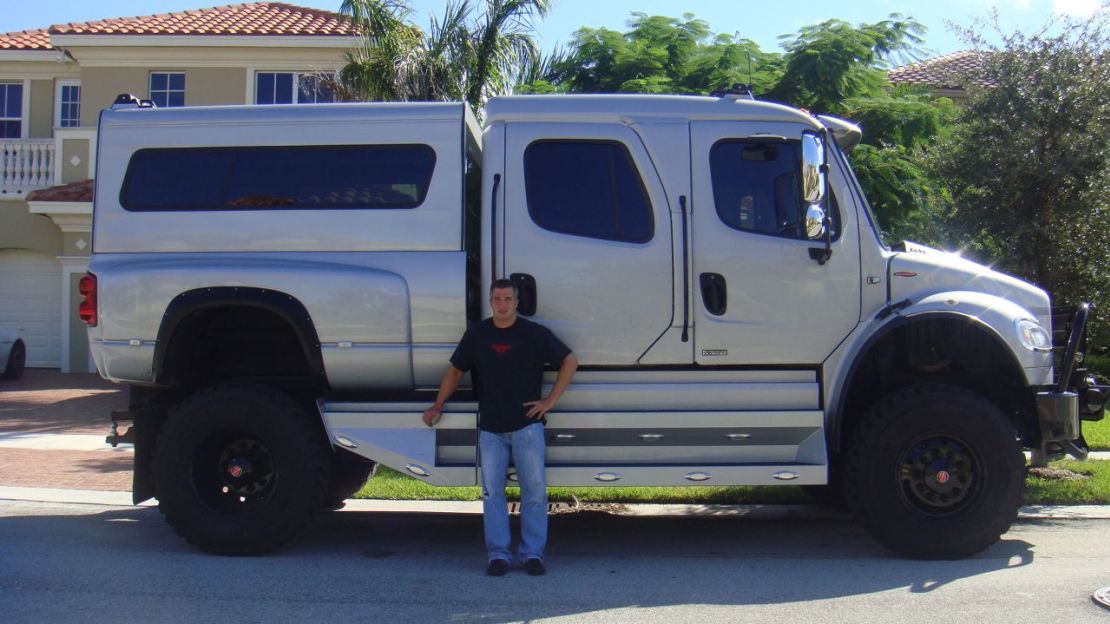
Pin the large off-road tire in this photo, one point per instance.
(239, 469)
(936, 472)
(17, 360)
(349, 472)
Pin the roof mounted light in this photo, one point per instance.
(128, 101)
(738, 91)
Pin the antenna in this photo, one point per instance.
(750, 67)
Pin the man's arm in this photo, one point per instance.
(562, 380)
(447, 387)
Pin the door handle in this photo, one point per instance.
(714, 293)
(526, 284)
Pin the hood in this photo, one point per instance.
(917, 271)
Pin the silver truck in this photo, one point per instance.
(281, 288)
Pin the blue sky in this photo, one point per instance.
(759, 21)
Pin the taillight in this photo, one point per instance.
(87, 309)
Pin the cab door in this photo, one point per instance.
(587, 235)
(760, 295)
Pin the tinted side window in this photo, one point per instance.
(756, 188)
(274, 178)
(587, 188)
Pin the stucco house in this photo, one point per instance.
(53, 84)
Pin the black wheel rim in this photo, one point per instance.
(234, 472)
(939, 475)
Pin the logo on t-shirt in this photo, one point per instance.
(500, 349)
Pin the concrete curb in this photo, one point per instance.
(760, 512)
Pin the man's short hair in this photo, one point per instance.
(505, 283)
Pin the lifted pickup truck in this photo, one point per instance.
(282, 287)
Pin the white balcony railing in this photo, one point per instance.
(26, 165)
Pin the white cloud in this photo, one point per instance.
(1077, 8)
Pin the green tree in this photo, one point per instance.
(1028, 166)
(656, 55)
(466, 54)
(908, 203)
(833, 61)
(898, 126)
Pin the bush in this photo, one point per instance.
(1099, 363)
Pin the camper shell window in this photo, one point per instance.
(297, 177)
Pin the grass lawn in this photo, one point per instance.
(391, 485)
(1093, 490)
(1098, 433)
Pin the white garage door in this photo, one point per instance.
(31, 303)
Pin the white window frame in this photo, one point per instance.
(25, 113)
(168, 90)
(58, 88)
(296, 83)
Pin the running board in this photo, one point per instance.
(597, 448)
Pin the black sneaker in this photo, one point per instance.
(534, 567)
(498, 567)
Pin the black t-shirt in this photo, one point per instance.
(509, 364)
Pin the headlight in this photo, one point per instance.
(1033, 336)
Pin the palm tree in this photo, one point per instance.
(466, 54)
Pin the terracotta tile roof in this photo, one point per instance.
(944, 72)
(73, 192)
(26, 40)
(254, 19)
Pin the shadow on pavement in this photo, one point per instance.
(425, 565)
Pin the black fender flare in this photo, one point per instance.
(835, 416)
(284, 305)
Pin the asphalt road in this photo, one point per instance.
(87, 563)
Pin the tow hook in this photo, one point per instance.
(114, 437)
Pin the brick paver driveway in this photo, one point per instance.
(49, 402)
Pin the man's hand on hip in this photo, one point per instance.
(537, 409)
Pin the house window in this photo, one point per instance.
(167, 89)
(11, 110)
(68, 104)
(290, 88)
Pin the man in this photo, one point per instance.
(508, 355)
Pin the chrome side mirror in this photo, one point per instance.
(813, 168)
(815, 222)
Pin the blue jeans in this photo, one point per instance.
(527, 449)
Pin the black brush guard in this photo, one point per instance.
(1076, 395)
(1069, 341)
